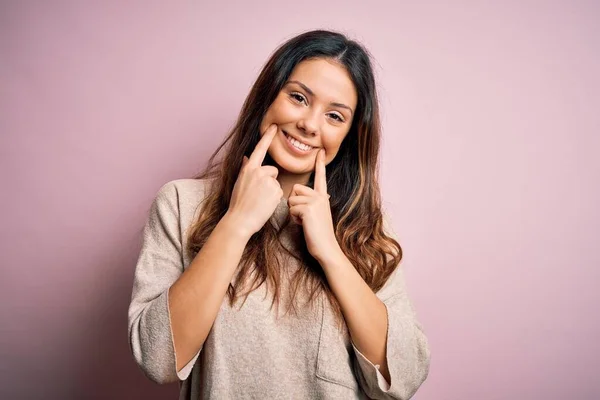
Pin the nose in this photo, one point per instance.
(309, 123)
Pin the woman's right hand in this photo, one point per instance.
(257, 192)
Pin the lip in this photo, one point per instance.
(292, 147)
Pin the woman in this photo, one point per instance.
(271, 274)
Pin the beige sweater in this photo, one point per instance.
(249, 353)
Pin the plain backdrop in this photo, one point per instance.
(489, 169)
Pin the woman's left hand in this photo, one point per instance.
(310, 208)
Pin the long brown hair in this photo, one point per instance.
(352, 180)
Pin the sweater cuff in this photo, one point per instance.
(184, 373)
(368, 368)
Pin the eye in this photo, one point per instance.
(298, 97)
(336, 117)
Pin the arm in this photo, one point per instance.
(196, 297)
(171, 311)
(364, 313)
(383, 328)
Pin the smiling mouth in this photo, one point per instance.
(297, 144)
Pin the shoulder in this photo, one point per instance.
(180, 198)
(183, 192)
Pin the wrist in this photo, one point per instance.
(234, 228)
(333, 256)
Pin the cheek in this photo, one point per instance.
(332, 142)
(280, 111)
(270, 116)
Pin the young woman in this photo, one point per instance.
(272, 275)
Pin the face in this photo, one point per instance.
(313, 111)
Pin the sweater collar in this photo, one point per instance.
(281, 211)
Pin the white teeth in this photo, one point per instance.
(298, 145)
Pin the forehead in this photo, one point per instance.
(329, 80)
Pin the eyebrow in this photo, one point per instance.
(312, 94)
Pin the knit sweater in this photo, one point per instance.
(251, 352)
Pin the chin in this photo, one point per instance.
(295, 168)
(292, 165)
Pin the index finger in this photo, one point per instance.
(260, 151)
(320, 176)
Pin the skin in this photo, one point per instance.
(315, 119)
(365, 314)
(195, 298)
(320, 120)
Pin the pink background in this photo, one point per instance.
(490, 171)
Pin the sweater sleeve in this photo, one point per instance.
(159, 265)
(407, 350)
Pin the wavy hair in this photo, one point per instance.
(352, 181)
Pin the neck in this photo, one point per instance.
(288, 180)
